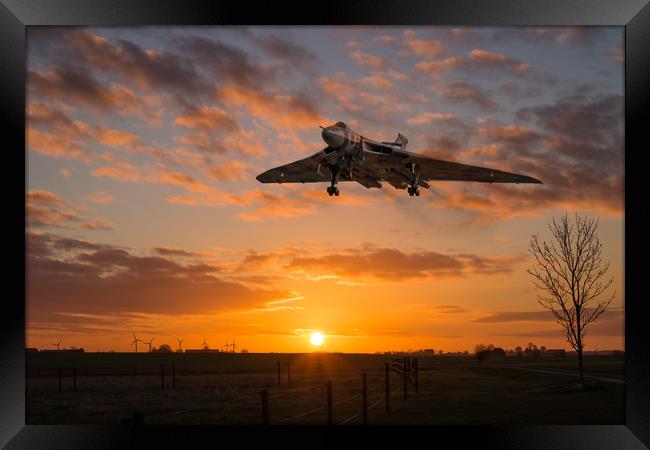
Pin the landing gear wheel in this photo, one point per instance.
(413, 191)
(333, 190)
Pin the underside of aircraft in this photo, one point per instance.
(352, 157)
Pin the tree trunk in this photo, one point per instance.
(582, 379)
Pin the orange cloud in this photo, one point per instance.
(122, 171)
(388, 264)
(428, 117)
(367, 60)
(228, 171)
(423, 48)
(101, 198)
(279, 110)
(207, 118)
(46, 209)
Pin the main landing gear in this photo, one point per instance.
(333, 190)
(415, 180)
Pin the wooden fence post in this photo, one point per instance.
(59, 380)
(415, 369)
(329, 403)
(173, 377)
(279, 376)
(162, 377)
(289, 373)
(265, 406)
(364, 397)
(74, 379)
(405, 377)
(387, 372)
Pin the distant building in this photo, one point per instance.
(429, 351)
(243, 350)
(201, 350)
(556, 352)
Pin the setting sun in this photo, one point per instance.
(317, 339)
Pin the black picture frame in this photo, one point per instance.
(634, 15)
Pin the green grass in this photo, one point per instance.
(224, 389)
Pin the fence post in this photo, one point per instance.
(364, 397)
(415, 369)
(162, 377)
(173, 377)
(74, 379)
(265, 406)
(289, 373)
(405, 377)
(329, 403)
(59, 380)
(279, 376)
(387, 371)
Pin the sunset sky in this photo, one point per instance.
(144, 214)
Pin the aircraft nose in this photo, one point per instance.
(333, 136)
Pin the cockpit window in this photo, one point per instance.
(341, 124)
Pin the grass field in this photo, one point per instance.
(224, 389)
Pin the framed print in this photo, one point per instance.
(412, 218)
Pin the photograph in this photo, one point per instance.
(325, 225)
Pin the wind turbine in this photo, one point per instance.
(205, 344)
(57, 345)
(135, 341)
(180, 341)
(227, 346)
(234, 346)
(149, 344)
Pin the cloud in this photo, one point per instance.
(423, 48)
(230, 170)
(463, 92)
(146, 68)
(173, 251)
(480, 60)
(395, 265)
(285, 50)
(92, 278)
(101, 197)
(228, 63)
(428, 117)
(516, 316)
(616, 54)
(47, 210)
(367, 60)
(121, 171)
(486, 58)
(71, 84)
(581, 36)
(279, 110)
(611, 323)
(207, 118)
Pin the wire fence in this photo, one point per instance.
(372, 387)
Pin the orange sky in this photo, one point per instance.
(144, 214)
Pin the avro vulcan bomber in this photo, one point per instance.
(352, 157)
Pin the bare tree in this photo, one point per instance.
(572, 274)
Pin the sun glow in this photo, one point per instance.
(317, 338)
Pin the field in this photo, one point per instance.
(222, 388)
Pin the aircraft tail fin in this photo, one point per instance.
(401, 141)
